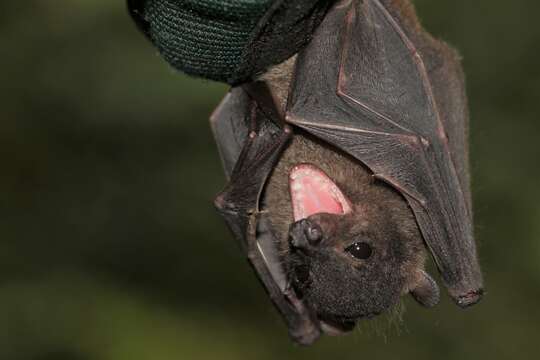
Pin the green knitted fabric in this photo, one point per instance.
(214, 33)
(227, 40)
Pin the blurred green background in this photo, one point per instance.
(109, 244)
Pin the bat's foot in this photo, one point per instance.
(470, 298)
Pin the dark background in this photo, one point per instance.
(109, 244)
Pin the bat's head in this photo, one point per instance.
(354, 251)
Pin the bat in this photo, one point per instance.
(347, 164)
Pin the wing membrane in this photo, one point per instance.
(367, 90)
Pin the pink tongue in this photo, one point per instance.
(313, 192)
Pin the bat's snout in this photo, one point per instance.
(304, 234)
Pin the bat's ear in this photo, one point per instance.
(427, 291)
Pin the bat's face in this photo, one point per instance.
(350, 256)
(350, 245)
(342, 269)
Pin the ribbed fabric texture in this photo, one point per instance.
(203, 38)
(227, 40)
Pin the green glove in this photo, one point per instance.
(227, 40)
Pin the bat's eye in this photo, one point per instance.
(359, 250)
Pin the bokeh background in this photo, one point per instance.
(110, 247)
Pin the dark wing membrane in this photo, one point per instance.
(251, 142)
(367, 90)
(228, 123)
(448, 86)
(447, 81)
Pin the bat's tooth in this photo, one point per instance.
(296, 187)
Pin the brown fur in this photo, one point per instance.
(382, 203)
(377, 203)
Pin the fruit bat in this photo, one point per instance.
(346, 165)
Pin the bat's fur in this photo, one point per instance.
(332, 289)
(341, 289)
(379, 213)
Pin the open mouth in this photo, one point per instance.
(313, 192)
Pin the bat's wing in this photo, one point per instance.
(228, 124)
(375, 85)
(251, 139)
(232, 119)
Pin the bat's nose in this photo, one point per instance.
(304, 233)
(297, 237)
